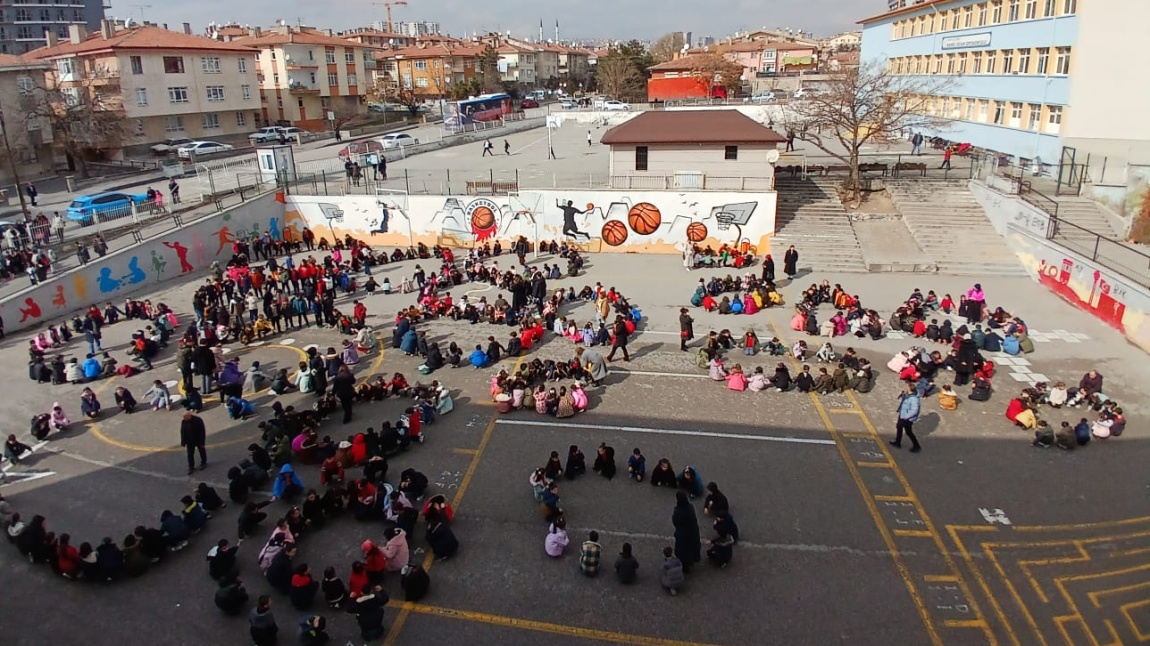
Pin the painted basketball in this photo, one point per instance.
(697, 232)
(614, 233)
(644, 218)
(482, 218)
(590, 206)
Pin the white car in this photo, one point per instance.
(805, 92)
(168, 145)
(616, 105)
(271, 133)
(398, 140)
(763, 97)
(203, 148)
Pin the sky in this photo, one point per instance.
(626, 19)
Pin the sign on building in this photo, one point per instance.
(966, 41)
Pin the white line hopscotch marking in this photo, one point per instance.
(667, 431)
(993, 516)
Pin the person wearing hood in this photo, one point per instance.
(626, 566)
(396, 550)
(287, 485)
(58, 418)
(254, 378)
(691, 482)
(672, 576)
(686, 524)
(434, 357)
(349, 356)
(91, 368)
(231, 597)
(478, 357)
(409, 342)
(89, 404)
(240, 408)
(280, 383)
(231, 381)
(262, 624)
(556, 542)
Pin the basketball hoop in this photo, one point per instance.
(335, 215)
(724, 221)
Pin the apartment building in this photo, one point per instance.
(370, 37)
(574, 64)
(29, 136)
(304, 74)
(23, 23)
(430, 71)
(169, 84)
(1032, 79)
(517, 63)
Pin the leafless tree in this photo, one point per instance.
(713, 69)
(617, 76)
(85, 113)
(869, 104)
(387, 91)
(665, 48)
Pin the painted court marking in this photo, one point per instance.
(648, 373)
(666, 431)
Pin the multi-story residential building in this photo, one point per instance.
(517, 63)
(417, 29)
(547, 64)
(847, 40)
(574, 64)
(370, 37)
(305, 74)
(169, 84)
(430, 71)
(1027, 78)
(23, 23)
(29, 135)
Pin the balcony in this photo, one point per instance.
(300, 65)
(303, 88)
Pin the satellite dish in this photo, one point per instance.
(127, 23)
(772, 156)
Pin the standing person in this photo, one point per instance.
(193, 436)
(174, 189)
(381, 167)
(908, 409)
(262, 624)
(686, 523)
(975, 302)
(506, 147)
(790, 141)
(343, 386)
(769, 269)
(487, 148)
(686, 328)
(791, 262)
(588, 138)
(946, 157)
(589, 555)
(30, 189)
(58, 226)
(620, 342)
(916, 144)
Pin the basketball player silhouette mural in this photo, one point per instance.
(569, 213)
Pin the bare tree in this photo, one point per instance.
(386, 91)
(616, 76)
(86, 114)
(487, 67)
(713, 69)
(665, 48)
(863, 105)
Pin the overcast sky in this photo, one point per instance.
(616, 19)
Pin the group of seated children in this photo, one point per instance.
(1023, 411)
(849, 372)
(726, 256)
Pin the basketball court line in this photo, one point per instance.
(665, 431)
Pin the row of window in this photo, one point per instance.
(992, 12)
(45, 15)
(332, 79)
(329, 56)
(1034, 117)
(215, 94)
(642, 156)
(175, 65)
(34, 32)
(208, 121)
(1026, 60)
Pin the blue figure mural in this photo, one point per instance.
(106, 283)
(135, 274)
(274, 228)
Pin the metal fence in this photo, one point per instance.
(1119, 257)
(445, 182)
(691, 182)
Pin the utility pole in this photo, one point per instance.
(12, 166)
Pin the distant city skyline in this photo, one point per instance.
(642, 19)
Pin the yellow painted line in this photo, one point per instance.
(1017, 600)
(462, 451)
(978, 577)
(940, 578)
(965, 623)
(1095, 597)
(882, 498)
(244, 350)
(844, 411)
(856, 435)
(545, 627)
(1125, 553)
(914, 533)
(1126, 609)
(1097, 525)
(875, 465)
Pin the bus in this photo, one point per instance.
(481, 109)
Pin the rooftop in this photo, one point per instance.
(912, 8)
(691, 127)
(294, 36)
(136, 38)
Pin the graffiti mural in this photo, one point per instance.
(1104, 298)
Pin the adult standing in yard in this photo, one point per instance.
(686, 328)
(343, 386)
(791, 262)
(58, 226)
(908, 410)
(174, 190)
(193, 437)
(620, 342)
(30, 189)
(686, 524)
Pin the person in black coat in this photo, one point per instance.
(769, 269)
(231, 596)
(415, 582)
(204, 363)
(790, 268)
(967, 361)
(440, 537)
(222, 559)
(576, 463)
(368, 610)
(280, 571)
(343, 386)
(686, 524)
(715, 504)
(193, 436)
(663, 475)
(434, 357)
(605, 461)
(781, 379)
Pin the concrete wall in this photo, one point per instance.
(709, 159)
(180, 253)
(615, 220)
(1110, 298)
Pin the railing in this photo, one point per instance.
(1035, 198)
(1114, 255)
(691, 181)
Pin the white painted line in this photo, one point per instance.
(641, 332)
(32, 449)
(21, 478)
(658, 374)
(287, 341)
(171, 384)
(665, 431)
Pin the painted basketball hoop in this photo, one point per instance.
(335, 215)
(724, 220)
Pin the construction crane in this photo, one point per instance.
(388, 4)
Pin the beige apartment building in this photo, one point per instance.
(169, 84)
(304, 74)
(29, 136)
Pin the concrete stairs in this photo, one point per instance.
(951, 228)
(811, 217)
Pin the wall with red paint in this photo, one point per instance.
(665, 89)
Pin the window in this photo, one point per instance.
(1043, 60)
(210, 64)
(243, 63)
(421, 82)
(329, 55)
(996, 12)
(141, 96)
(1024, 61)
(246, 92)
(349, 57)
(999, 111)
(333, 79)
(954, 19)
(1054, 119)
(137, 64)
(1062, 61)
(967, 16)
(1012, 15)
(25, 84)
(950, 63)
(731, 153)
(174, 123)
(173, 65)
(71, 96)
(1015, 115)
(241, 119)
(178, 94)
(914, 28)
(23, 15)
(938, 64)
(982, 15)
(983, 107)
(976, 66)
(215, 93)
(1007, 61)
(276, 79)
(352, 79)
(1035, 114)
(407, 81)
(65, 67)
(961, 63)
(1031, 9)
(970, 109)
(211, 121)
(1050, 4)
(991, 62)
(930, 25)
(420, 65)
(1069, 7)
(641, 158)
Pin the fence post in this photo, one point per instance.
(491, 180)
(897, 163)
(1097, 240)
(449, 181)
(406, 181)
(323, 175)
(516, 179)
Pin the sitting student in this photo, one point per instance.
(947, 398)
(781, 380)
(1020, 412)
(715, 369)
(757, 382)
(737, 380)
(1043, 435)
(775, 348)
(663, 475)
(1082, 432)
(1109, 425)
(799, 350)
(823, 383)
(124, 400)
(826, 354)
(1058, 395)
(240, 408)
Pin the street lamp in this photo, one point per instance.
(12, 165)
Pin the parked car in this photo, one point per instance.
(567, 104)
(763, 97)
(616, 105)
(202, 148)
(529, 103)
(264, 135)
(357, 148)
(85, 209)
(168, 145)
(805, 92)
(398, 140)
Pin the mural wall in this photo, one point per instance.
(181, 253)
(599, 221)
